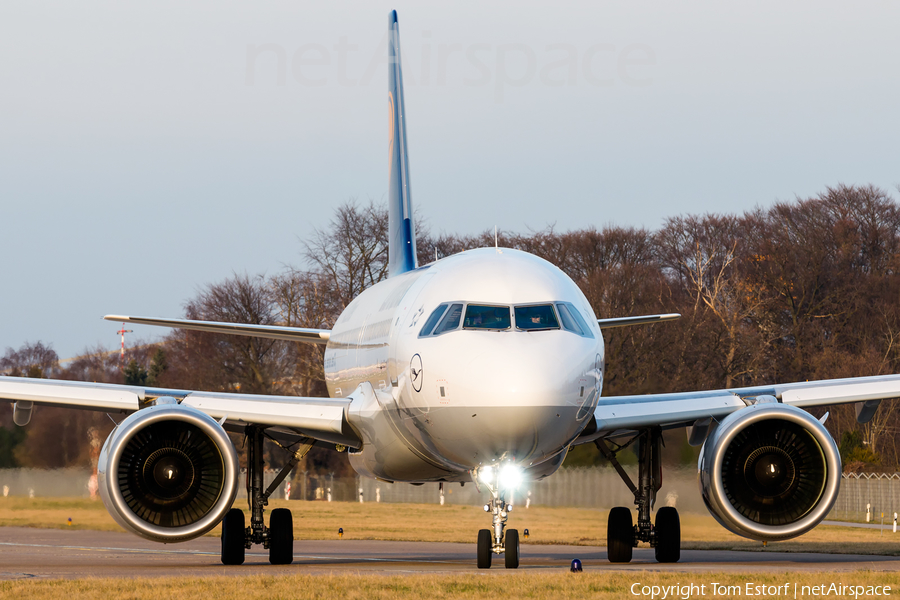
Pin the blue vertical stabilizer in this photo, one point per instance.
(401, 229)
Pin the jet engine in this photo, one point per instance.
(168, 473)
(769, 472)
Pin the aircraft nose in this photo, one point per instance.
(516, 400)
(537, 371)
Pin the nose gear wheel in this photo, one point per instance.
(485, 549)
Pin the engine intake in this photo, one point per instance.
(770, 472)
(168, 473)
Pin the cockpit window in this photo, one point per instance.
(531, 318)
(446, 317)
(450, 320)
(568, 321)
(432, 320)
(486, 317)
(572, 319)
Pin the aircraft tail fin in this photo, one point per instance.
(401, 226)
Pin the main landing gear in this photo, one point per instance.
(621, 535)
(278, 537)
(496, 540)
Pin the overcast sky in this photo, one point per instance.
(147, 150)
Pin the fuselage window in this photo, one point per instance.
(531, 318)
(432, 320)
(450, 320)
(486, 317)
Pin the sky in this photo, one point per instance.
(147, 150)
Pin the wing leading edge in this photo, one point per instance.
(318, 418)
(275, 332)
(684, 408)
(639, 320)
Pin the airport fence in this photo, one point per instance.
(597, 487)
(868, 497)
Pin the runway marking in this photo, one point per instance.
(202, 553)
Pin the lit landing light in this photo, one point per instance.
(486, 474)
(510, 477)
(507, 477)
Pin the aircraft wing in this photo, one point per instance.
(318, 418)
(275, 332)
(615, 413)
(639, 320)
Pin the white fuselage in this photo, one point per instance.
(484, 391)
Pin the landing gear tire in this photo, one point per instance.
(668, 535)
(233, 537)
(619, 535)
(485, 548)
(281, 537)
(512, 549)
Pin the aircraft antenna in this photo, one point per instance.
(122, 332)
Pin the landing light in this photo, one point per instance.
(486, 474)
(510, 477)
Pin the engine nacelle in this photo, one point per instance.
(168, 473)
(769, 472)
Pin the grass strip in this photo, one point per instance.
(498, 584)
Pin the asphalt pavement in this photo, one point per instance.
(63, 553)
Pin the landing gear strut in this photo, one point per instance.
(497, 540)
(278, 537)
(622, 536)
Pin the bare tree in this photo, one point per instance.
(31, 360)
(702, 253)
(230, 362)
(305, 299)
(352, 254)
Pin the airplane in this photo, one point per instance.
(485, 367)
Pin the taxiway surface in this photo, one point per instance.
(53, 553)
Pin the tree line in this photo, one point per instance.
(803, 290)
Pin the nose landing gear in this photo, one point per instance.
(497, 540)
